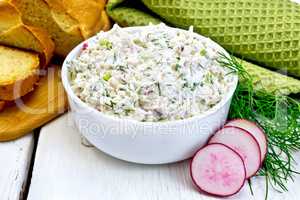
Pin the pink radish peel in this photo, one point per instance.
(243, 143)
(218, 170)
(255, 130)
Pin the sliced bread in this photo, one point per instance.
(14, 33)
(63, 29)
(68, 21)
(90, 15)
(18, 72)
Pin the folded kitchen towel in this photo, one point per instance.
(266, 32)
(271, 81)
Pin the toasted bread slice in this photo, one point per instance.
(9, 17)
(90, 15)
(14, 33)
(68, 21)
(18, 72)
(63, 29)
(30, 38)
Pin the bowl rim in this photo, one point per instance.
(76, 50)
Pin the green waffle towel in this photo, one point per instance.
(266, 32)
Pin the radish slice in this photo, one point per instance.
(242, 142)
(255, 130)
(218, 170)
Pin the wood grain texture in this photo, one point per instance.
(65, 169)
(15, 159)
(46, 102)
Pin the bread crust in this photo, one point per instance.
(46, 42)
(67, 21)
(13, 30)
(90, 15)
(2, 105)
(63, 29)
(18, 89)
(18, 73)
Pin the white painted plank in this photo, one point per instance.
(67, 170)
(15, 159)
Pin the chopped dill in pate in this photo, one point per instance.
(153, 74)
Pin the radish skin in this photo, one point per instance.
(218, 170)
(243, 143)
(255, 130)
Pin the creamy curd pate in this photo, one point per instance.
(150, 74)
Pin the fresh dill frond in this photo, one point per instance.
(278, 115)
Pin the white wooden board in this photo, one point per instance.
(67, 170)
(15, 159)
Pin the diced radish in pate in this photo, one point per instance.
(85, 46)
(218, 170)
(255, 130)
(242, 142)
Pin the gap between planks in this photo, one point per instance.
(15, 158)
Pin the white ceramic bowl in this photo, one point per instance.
(145, 142)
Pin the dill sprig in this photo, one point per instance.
(278, 115)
